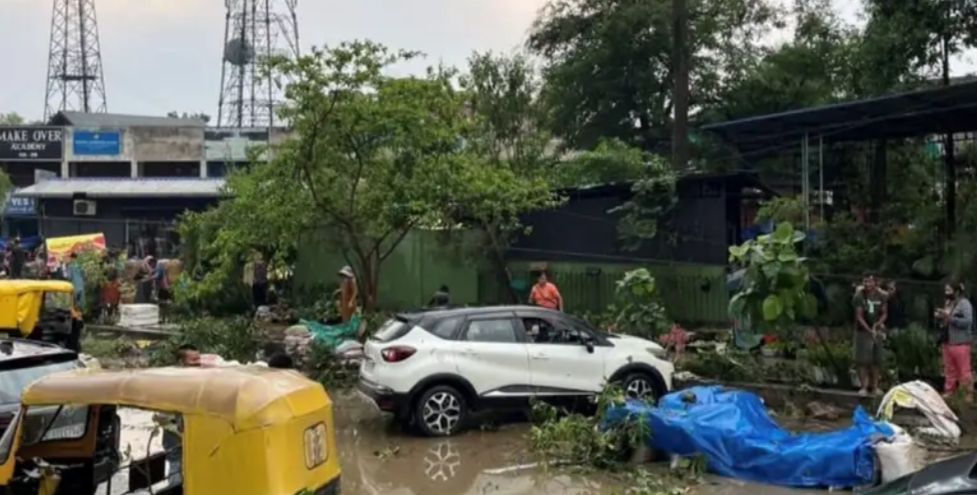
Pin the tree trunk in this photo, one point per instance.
(366, 280)
(680, 92)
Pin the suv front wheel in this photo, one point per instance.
(440, 411)
(641, 386)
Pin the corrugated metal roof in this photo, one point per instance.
(124, 188)
(81, 119)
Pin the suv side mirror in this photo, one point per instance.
(589, 344)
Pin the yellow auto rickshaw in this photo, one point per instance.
(246, 430)
(41, 310)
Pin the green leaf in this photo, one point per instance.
(809, 306)
(787, 257)
(772, 308)
(737, 252)
(783, 232)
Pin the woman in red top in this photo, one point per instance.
(546, 294)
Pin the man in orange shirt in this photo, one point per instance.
(546, 294)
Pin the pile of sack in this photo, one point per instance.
(138, 315)
(902, 454)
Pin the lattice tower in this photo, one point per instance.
(254, 29)
(74, 74)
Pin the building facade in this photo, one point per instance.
(117, 174)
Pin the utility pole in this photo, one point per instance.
(680, 79)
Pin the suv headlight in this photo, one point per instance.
(659, 353)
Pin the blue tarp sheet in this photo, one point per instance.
(739, 439)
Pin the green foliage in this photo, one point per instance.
(782, 209)
(323, 366)
(733, 365)
(639, 311)
(774, 294)
(608, 64)
(652, 198)
(92, 263)
(611, 161)
(12, 118)
(577, 439)
(917, 354)
(370, 157)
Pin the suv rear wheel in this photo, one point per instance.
(440, 411)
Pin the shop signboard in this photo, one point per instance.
(31, 143)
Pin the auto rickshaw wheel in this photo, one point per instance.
(441, 411)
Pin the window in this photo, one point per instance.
(391, 330)
(447, 327)
(13, 382)
(496, 331)
(540, 331)
(561, 331)
(58, 300)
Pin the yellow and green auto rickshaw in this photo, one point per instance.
(41, 310)
(246, 430)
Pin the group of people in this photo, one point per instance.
(954, 323)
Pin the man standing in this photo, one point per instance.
(77, 278)
(546, 294)
(17, 259)
(348, 293)
(189, 357)
(870, 316)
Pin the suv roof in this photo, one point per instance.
(436, 313)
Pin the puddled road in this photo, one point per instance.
(378, 459)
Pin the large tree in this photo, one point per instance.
(370, 158)
(609, 63)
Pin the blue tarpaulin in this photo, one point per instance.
(739, 439)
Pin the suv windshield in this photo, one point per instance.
(13, 382)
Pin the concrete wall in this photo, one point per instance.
(167, 144)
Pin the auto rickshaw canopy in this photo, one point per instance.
(246, 397)
(20, 301)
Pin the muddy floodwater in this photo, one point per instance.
(378, 459)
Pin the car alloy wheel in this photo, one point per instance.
(639, 387)
(441, 411)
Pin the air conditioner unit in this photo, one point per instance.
(84, 208)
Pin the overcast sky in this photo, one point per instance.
(162, 55)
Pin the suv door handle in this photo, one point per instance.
(468, 351)
(540, 356)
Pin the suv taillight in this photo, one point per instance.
(397, 353)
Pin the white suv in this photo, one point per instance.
(432, 369)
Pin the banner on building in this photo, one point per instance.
(96, 143)
(19, 207)
(58, 248)
(31, 143)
